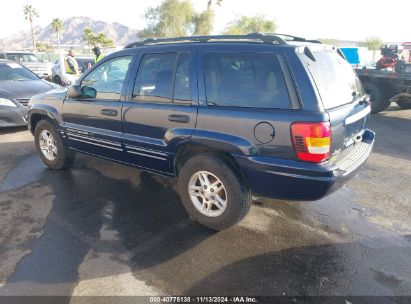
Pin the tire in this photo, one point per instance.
(380, 99)
(234, 192)
(404, 105)
(57, 159)
(57, 80)
(378, 65)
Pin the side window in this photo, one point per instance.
(2, 56)
(253, 80)
(154, 82)
(106, 81)
(162, 75)
(182, 84)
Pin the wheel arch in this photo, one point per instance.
(188, 150)
(39, 113)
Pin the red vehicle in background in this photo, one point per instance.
(389, 57)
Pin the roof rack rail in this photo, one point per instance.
(287, 37)
(258, 37)
(265, 38)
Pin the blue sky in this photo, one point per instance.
(348, 19)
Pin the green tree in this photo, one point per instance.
(43, 47)
(203, 22)
(93, 39)
(57, 26)
(89, 37)
(29, 14)
(103, 40)
(373, 43)
(246, 25)
(172, 18)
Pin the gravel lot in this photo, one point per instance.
(101, 228)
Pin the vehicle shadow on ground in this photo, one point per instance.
(149, 219)
(358, 268)
(9, 130)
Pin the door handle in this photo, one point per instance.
(109, 112)
(179, 118)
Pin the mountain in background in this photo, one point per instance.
(72, 34)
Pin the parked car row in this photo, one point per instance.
(45, 65)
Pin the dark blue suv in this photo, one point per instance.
(231, 116)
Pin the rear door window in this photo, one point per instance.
(155, 78)
(163, 78)
(253, 80)
(336, 81)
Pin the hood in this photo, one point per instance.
(25, 89)
(54, 97)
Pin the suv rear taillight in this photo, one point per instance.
(311, 140)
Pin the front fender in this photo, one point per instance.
(44, 110)
(49, 104)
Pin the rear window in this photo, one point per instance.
(336, 81)
(253, 80)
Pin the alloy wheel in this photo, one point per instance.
(207, 193)
(48, 145)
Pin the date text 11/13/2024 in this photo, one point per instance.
(186, 299)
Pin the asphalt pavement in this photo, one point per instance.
(101, 228)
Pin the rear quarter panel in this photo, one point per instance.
(232, 129)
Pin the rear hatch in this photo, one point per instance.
(342, 95)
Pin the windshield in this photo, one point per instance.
(15, 72)
(334, 78)
(23, 57)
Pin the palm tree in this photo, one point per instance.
(57, 26)
(30, 13)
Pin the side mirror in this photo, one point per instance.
(88, 92)
(74, 91)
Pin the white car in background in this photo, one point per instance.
(84, 63)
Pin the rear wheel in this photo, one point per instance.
(380, 99)
(50, 146)
(212, 191)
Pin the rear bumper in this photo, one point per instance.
(288, 179)
(13, 117)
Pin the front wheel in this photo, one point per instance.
(57, 80)
(213, 192)
(50, 146)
